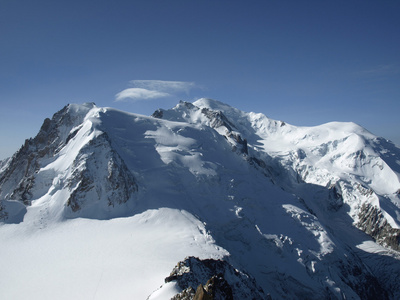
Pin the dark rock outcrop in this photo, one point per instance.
(158, 114)
(335, 197)
(98, 170)
(217, 119)
(213, 279)
(18, 178)
(372, 222)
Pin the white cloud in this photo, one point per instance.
(139, 94)
(153, 89)
(164, 86)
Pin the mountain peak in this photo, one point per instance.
(211, 104)
(81, 107)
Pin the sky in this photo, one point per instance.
(303, 62)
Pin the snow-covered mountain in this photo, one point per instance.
(104, 203)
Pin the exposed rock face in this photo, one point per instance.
(213, 279)
(203, 294)
(158, 114)
(335, 197)
(99, 174)
(215, 288)
(242, 143)
(19, 177)
(186, 294)
(217, 119)
(372, 222)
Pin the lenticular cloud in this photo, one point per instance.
(153, 89)
(164, 86)
(139, 94)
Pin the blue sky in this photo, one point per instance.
(304, 62)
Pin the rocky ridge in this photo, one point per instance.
(212, 279)
(29, 170)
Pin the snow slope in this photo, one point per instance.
(123, 258)
(103, 203)
(344, 155)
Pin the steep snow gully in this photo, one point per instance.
(201, 200)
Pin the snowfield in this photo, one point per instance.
(122, 258)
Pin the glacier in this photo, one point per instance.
(104, 203)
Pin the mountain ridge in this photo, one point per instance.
(285, 204)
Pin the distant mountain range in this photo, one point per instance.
(201, 200)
